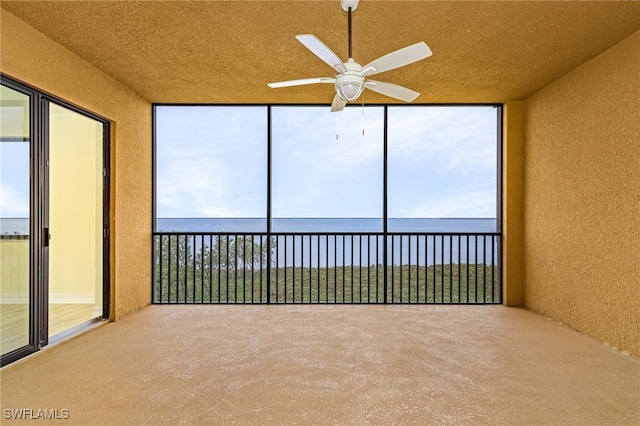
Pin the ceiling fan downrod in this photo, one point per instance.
(349, 6)
(349, 24)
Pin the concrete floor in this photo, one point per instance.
(334, 365)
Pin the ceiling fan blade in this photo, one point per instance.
(301, 82)
(392, 90)
(397, 59)
(321, 50)
(338, 103)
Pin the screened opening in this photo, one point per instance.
(293, 204)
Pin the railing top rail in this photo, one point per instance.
(316, 233)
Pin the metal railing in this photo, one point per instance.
(441, 268)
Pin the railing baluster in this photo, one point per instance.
(335, 269)
(251, 263)
(285, 272)
(243, 268)
(417, 269)
(326, 271)
(493, 298)
(450, 268)
(201, 269)
(318, 268)
(310, 268)
(409, 267)
(475, 242)
(442, 268)
(351, 238)
(185, 267)
(401, 298)
(435, 300)
(484, 269)
(360, 267)
(219, 252)
(344, 267)
(377, 263)
(260, 267)
(459, 277)
(226, 262)
(193, 266)
(368, 268)
(426, 267)
(393, 262)
(160, 275)
(467, 269)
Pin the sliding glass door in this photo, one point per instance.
(54, 235)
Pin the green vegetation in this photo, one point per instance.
(209, 275)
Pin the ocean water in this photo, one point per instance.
(20, 226)
(343, 250)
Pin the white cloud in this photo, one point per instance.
(323, 166)
(420, 133)
(211, 164)
(458, 204)
(442, 162)
(13, 203)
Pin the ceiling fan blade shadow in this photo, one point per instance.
(392, 90)
(399, 58)
(321, 50)
(301, 82)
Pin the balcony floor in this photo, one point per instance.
(332, 365)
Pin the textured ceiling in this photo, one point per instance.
(227, 51)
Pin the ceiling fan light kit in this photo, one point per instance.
(350, 80)
(350, 84)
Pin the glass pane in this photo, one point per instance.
(442, 169)
(327, 169)
(14, 219)
(211, 168)
(75, 219)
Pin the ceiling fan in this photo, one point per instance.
(351, 78)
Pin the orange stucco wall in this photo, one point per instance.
(582, 198)
(29, 56)
(512, 198)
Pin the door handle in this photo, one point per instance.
(46, 237)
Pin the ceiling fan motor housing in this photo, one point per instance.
(350, 84)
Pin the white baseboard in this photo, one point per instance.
(14, 299)
(72, 298)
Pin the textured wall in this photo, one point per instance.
(35, 59)
(512, 219)
(582, 198)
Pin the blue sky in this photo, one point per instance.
(211, 162)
